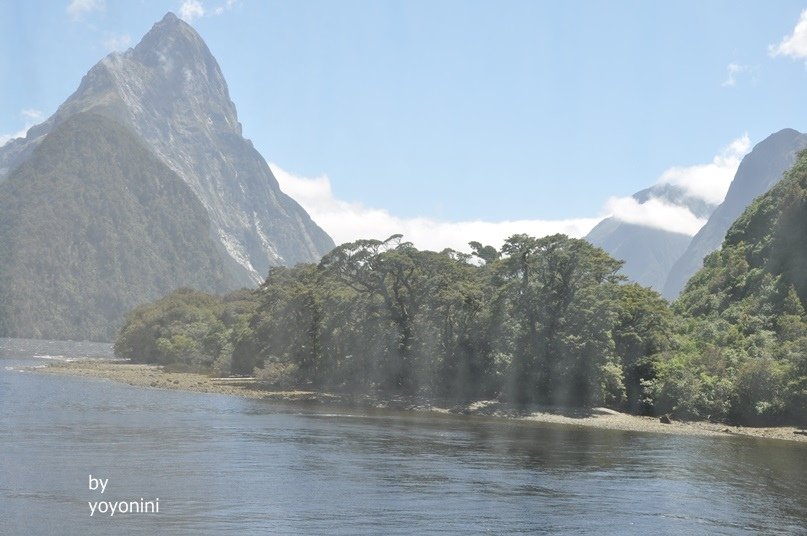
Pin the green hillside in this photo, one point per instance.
(91, 225)
(744, 349)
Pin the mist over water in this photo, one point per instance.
(225, 465)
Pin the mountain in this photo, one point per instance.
(746, 357)
(649, 253)
(665, 260)
(763, 257)
(758, 172)
(91, 224)
(170, 91)
(141, 182)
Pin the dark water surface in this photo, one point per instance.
(224, 465)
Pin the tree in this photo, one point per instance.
(561, 291)
(287, 325)
(643, 330)
(485, 253)
(387, 269)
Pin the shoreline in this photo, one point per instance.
(152, 376)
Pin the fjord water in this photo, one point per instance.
(226, 465)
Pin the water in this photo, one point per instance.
(224, 465)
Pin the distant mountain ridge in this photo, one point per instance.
(649, 253)
(154, 187)
(759, 171)
(664, 260)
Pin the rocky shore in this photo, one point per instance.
(151, 376)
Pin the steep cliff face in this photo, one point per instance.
(170, 92)
(760, 170)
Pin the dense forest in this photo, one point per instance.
(91, 225)
(742, 353)
(539, 321)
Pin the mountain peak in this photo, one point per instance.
(171, 40)
(170, 92)
(169, 17)
(791, 132)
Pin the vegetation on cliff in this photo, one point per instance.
(742, 353)
(93, 224)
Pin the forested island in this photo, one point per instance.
(539, 321)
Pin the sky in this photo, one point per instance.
(452, 121)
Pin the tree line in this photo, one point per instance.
(542, 320)
(538, 321)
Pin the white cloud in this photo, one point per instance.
(346, 221)
(655, 213)
(711, 181)
(31, 115)
(77, 8)
(795, 44)
(228, 5)
(194, 9)
(191, 9)
(708, 182)
(733, 69)
(116, 42)
(30, 118)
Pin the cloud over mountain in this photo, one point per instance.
(347, 221)
(655, 213)
(703, 182)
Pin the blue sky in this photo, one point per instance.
(456, 111)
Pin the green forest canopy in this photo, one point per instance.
(542, 320)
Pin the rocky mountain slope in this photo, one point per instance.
(758, 172)
(170, 91)
(93, 224)
(141, 182)
(762, 262)
(664, 260)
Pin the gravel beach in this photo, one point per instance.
(152, 376)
